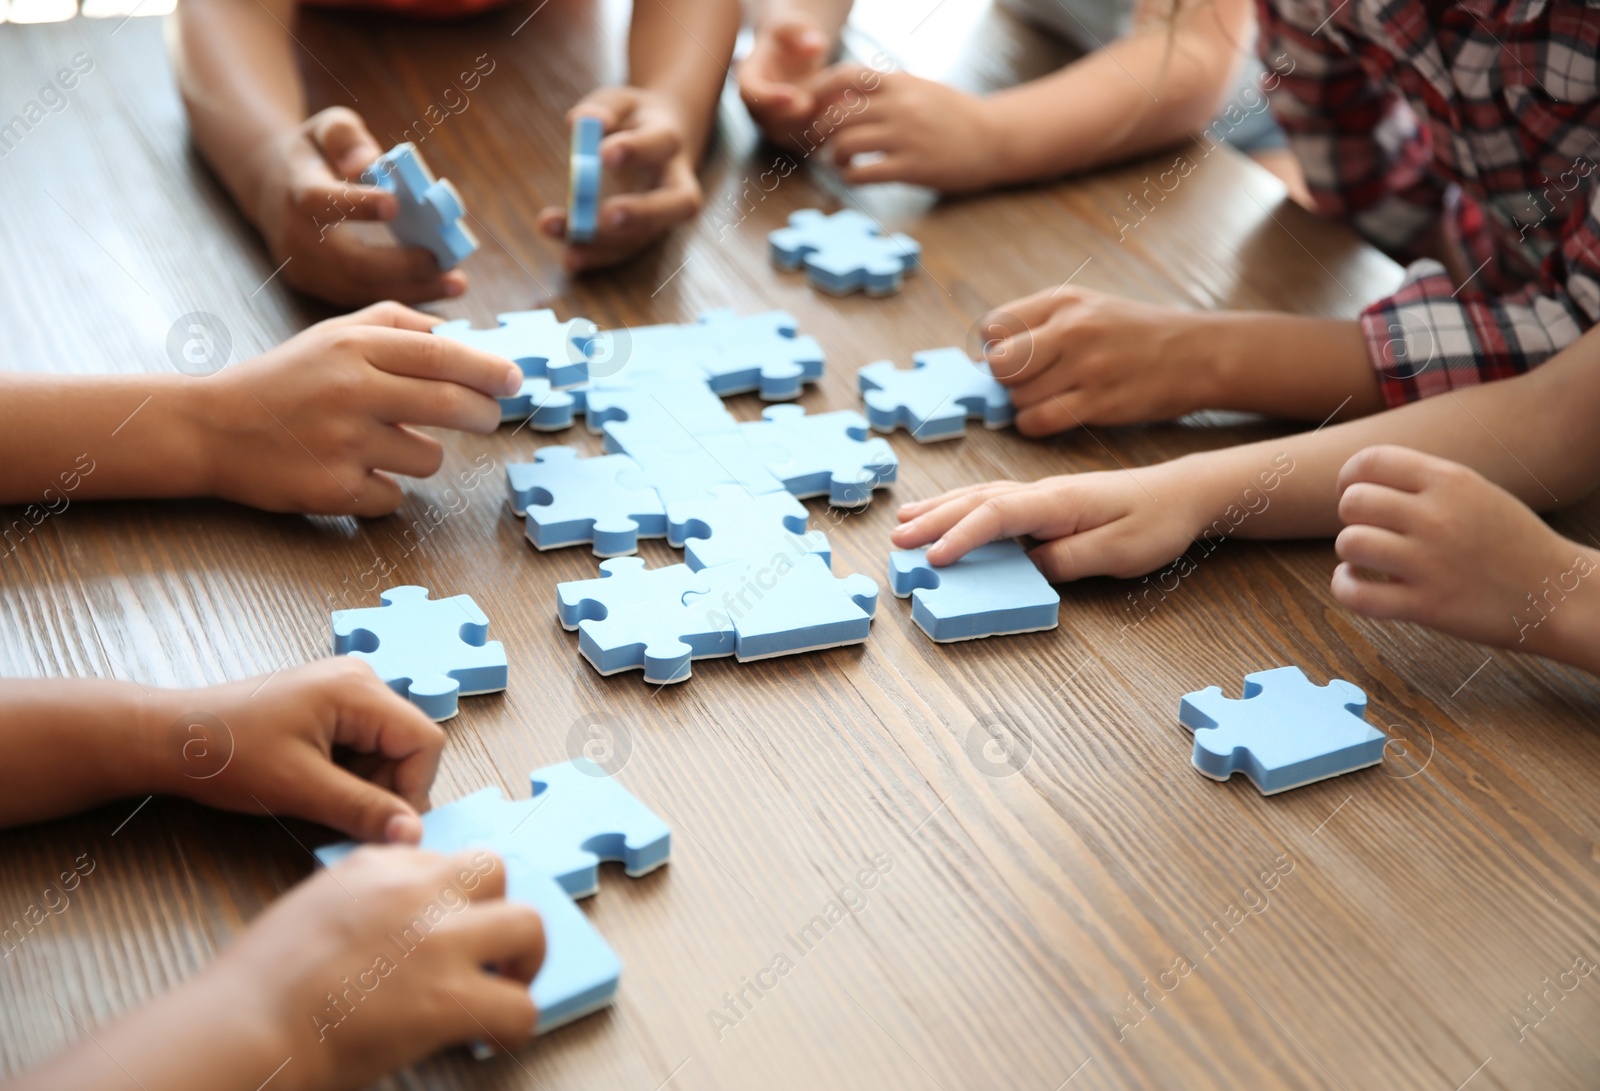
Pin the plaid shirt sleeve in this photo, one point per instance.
(1368, 163)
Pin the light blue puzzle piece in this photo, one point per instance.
(633, 617)
(762, 352)
(545, 409)
(665, 353)
(935, 397)
(659, 412)
(430, 210)
(993, 591)
(787, 605)
(1284, 733)
(533, 340)
(728, 524)
(552, 845)
(680, 472)
(568, 500)
(432, 651)
(583, 188)
(844, 252)
(830, 454)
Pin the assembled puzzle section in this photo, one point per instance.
(429, 650)
(583, 188)
(430, 209)
(934, 399)
(993, 591)
(788, 604)
(728, 523)
(552, 845)
(633, 618)
(566, 500)
(542, 347)
(844, 252)
(1285, 733)
(762, 352)
(830, 454)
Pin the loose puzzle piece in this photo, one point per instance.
(826, 455)
(788, 604)
(728, 524)
(844, 252)
(430, 210)
(934, 399)
(544, 409)
(761, 352)
(552, 845)
(633, 617)
(993, 591)
(533, 340)
(431, 651)
(1284, 733)
(583, 189)
(569, 500)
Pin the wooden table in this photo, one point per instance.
(1382, 930)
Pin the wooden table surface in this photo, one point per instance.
(1100, 916)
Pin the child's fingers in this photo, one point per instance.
(1379, 550)
(612, 105)
(379, 495)
(506, 935)
(1370, 597)
(650, 146)
(945, 513)
(1006, 514)
(642, 216)
(389, 313)
(1057, 413)
(840, 80)
(345, 141)
(1378, 505)
(851, 140)
(1386, 464)
(376, 720)
(439, 359)
(434, 404)
(336, 797)
(890, 168)
(496, 1010)
(398, 450)
(1097, 552)
(913, 508)
(329, 202)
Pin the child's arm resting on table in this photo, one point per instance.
(294, 178)
(1533, 435)
(316, 425)
(656, 127)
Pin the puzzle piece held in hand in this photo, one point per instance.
(533, 340)
(844, 252)
(993, 591)
(787, 604)
(583, 188)
(935, 397)
(569, 500)
(728, 524)
(830, 454)
(633, 617)
(552, 845)
(431, 651)
(430, 210)
(1286, 732)
(544, 409)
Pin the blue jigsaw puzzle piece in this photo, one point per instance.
(935, 397)
(552, 845)
(762, 352)
(993, 591)
(1286, 732)
(583, 188)
(430, 209)
(545, 409)
(844, 252)
(787, 604)
(533, 340)
(567, 500)
(830, 454)
(728, 524)
(680, 472)
(633, 617)
(431, 651)
(660, 412)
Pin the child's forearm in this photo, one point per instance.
(1145, 91)
(76, 743)
(235, 66)
(1571, 633)
(83, 437)
(681, 49)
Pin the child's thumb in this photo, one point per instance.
(338, 798)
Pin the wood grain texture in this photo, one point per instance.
(1019, 933)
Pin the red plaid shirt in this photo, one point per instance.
(1406, 110)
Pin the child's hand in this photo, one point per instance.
(1121, 523)
(418, 950)
(1455, 552)
(308, 190)
(917, 131)
(319, 423)
(269, 745)
(774, 79)
(647, 144)
(1072, 356)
